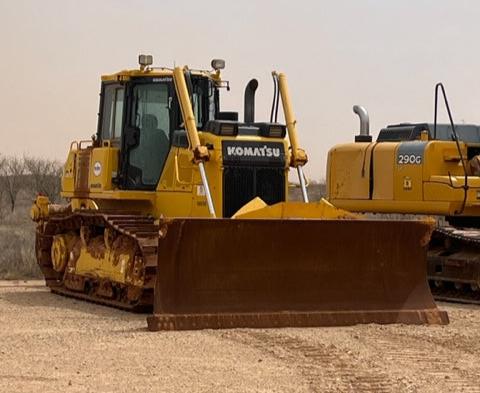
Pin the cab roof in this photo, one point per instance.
(159, 72)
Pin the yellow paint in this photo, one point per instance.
(253, 206)
(105, 267)
(126, 75)
(61, 246)
(299, 157)
(68, 178)
(39, 210)
(383, 165)
(103, 166)
(348, 171)
(294, 210)
(200, 152)
(432, 187)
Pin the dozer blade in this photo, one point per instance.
(235, 273)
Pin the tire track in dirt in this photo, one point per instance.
(326, 368)
(435, 364)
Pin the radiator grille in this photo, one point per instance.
(242, 184)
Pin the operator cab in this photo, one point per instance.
(142, 143)
(140, 114)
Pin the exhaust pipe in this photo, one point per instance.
(249, 106)
(364, 135)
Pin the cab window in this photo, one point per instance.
(112, 113)
(151, 116)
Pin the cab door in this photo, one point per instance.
(104, 154)
(146, 136)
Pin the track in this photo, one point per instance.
(448, 293)
(454, 264)
(374, 359)
(325, 368)
(141, 230)
(453, 258)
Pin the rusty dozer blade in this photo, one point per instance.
(260, 273)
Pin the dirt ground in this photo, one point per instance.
(50, 343)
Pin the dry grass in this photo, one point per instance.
(315, 191)
(17, 243)
(17, 259)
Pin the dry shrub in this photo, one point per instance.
(17, 256)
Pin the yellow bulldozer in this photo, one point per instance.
(177, 204)
(421, 169)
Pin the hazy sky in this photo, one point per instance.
(385, 55)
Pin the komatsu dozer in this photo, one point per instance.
(421, 169)
(177, 204)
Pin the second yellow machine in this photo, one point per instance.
(419, 168)
(178, 204)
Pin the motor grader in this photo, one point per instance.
(421, 169)
(177, 204)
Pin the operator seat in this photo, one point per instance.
(152, 150)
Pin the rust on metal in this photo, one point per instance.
(265, 273)
(83, 169)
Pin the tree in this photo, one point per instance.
(3, 161)
(11, 176)
(45, 176)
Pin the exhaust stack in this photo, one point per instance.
(249, 108)
(364, 135)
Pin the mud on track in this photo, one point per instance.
(55, 344)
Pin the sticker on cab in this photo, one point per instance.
(97, 168)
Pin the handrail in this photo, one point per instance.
(84, 141)
(465, 186)
(299, 157)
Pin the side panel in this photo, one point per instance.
(442, 158)
(68, 178)
(383, 167)
(177, 172)
(82, 169)
(103, 166)
(349, 171)
(408, 173)
(180, 191)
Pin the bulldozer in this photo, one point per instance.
(419, 169)
(177, 206)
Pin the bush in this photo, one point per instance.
(17, 259)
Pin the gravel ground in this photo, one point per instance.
(49, 343)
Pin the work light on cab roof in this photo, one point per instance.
(145, 61)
